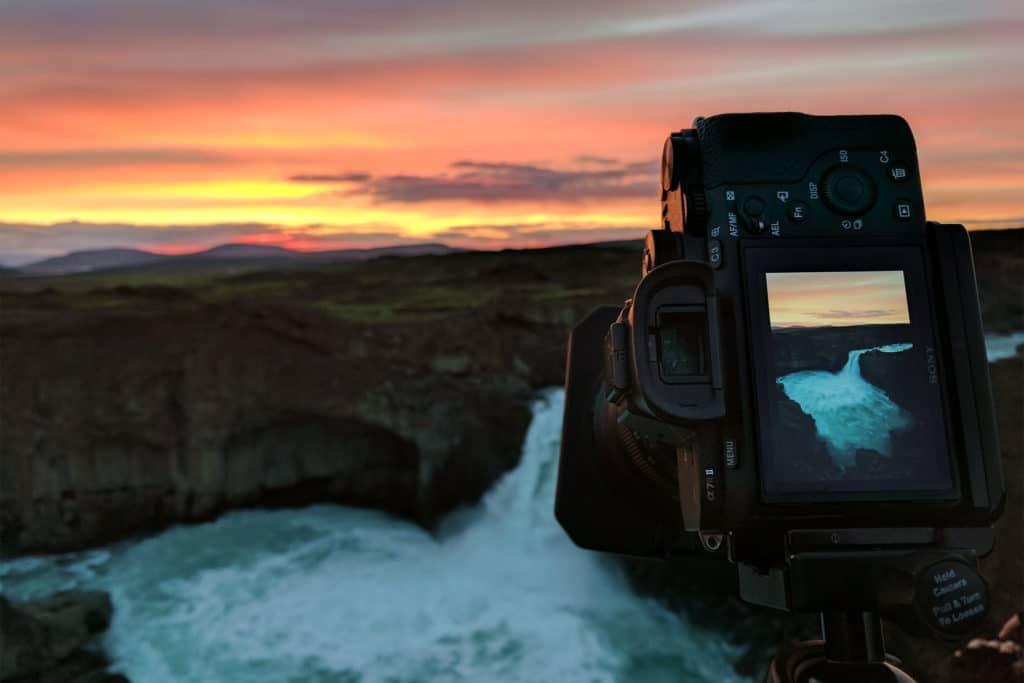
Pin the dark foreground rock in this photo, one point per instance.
(52, 640)
(999, 659)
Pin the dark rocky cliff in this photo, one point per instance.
(796, 349)
(130, 400)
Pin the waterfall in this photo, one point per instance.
(849, 412)
(330, 593)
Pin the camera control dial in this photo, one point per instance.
(849, 191)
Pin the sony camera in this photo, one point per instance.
(799, 380)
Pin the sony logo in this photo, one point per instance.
(933, 365)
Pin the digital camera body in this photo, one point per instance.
(800, 376)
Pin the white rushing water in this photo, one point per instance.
(329, 593)
(848, 411)
(1000, 346)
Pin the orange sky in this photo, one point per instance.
(854, 298)
(320, 124)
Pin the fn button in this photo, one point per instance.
(797, 212)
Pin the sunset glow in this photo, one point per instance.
(173, 126)
(854, 298)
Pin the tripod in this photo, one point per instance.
(851, 651)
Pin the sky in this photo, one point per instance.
(854, 298)
(179, 124)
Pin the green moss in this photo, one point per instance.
(421, 289)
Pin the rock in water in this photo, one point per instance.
(45, 640)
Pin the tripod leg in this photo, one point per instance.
(853, 636)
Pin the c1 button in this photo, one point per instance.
(797, 212)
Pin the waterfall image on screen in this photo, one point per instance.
(848, 402)
(849, 412)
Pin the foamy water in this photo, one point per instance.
(1000, 346)
(329, 593)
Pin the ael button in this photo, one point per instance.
(849, 191)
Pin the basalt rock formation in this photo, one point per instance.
(131, 400)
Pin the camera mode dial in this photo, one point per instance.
(849, 191)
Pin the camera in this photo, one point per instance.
(799, 381)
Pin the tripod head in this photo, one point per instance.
(930, 591)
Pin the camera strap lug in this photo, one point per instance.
(711, 540)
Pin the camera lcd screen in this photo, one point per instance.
(854, 406)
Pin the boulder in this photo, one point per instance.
(48, 640)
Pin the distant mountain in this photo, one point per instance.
(241, 251)
(424, 249)
(224, 255)
(92, 259)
